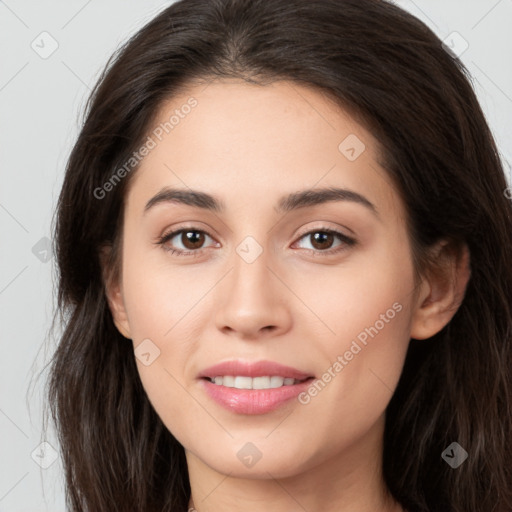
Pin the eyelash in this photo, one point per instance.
(347, 241)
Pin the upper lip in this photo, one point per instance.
(252, 369)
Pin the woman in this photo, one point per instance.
(346, 348)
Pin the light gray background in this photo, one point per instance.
(40, 103)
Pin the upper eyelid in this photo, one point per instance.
(174, 232)
(202, 230)
(336, 230)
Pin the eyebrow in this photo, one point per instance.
(293, 201)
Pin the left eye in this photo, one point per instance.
(322, 240)
(192, 241)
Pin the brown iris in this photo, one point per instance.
(192, 239)
(322, 240)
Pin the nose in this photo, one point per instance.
(252, 301)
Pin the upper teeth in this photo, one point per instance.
(240, 382)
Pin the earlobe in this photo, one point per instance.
(442, 291)
(113, 293)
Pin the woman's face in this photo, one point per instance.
(271, 269)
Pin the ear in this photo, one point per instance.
(113, 292)
(442, 290)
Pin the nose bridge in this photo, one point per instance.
(251, 274)
(252, 300)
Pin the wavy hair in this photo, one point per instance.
(391, 72)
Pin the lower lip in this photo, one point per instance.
(253, 401)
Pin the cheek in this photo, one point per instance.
(166, 305)
(365, 297)
(365, 310)
(160, 297)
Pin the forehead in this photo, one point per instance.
(230, 136)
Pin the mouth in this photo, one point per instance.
(253, 387)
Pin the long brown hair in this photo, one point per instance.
(392, 73)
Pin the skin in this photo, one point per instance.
(249, 145)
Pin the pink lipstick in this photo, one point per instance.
(253, 388)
